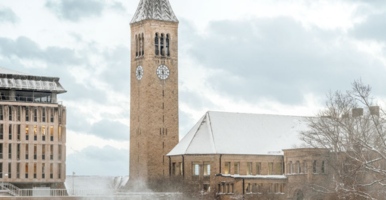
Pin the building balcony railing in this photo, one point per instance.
(28, 99)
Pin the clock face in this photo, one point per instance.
(139, 72)
(163, 72)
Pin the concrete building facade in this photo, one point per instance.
(32, 131)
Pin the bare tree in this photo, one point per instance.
(115, 183)
(352, 126)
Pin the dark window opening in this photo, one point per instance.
(18, 132)
(1, 150)
(26, 114)
(1, 131)
(35, 115)
(143, 45)
(18, 170)
(26, 132)
(10, 132)
(9, 170)
(35, 152)
(18, 113)
(44, 114)
(10, 113)
(26, 151)
(1, 113)
(136, 45)
(26, 170)
(167, 45)
(52, 115)
(18, 151)
(156, 44)
(9, 151)
(162, 45)
(140, 45)
(43, 152)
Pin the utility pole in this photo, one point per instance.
(73, 183)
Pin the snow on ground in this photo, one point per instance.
(95, 182)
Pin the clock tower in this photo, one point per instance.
(154, 89)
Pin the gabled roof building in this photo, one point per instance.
(253, 155)
(224, 154)
(241, 134)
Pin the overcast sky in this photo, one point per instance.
(255, 56)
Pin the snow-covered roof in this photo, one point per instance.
(254, 176)
(9, 71)
(10, 79)
(154, 9)
(238, 133)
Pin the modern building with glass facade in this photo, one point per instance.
(32, 130)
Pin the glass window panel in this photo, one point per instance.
(227, 167)
(237, 168)
(249, 168)
(206, 168)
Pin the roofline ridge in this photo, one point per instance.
(190, 143)
(19, 72)
(258, 114)
(211, 131)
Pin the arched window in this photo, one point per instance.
(140, 45)
(298, 168)
(314, 167)
(156, 41)
(136, 45)
(305, 167)
(167, 45)
(162, 45)
(143, 45)
(323, 167)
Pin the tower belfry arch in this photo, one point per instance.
(154, 89)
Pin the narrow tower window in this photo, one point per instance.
(156, 44)
(162, 45)
(143, 45)
(140, 45)
(167, 45)
(136, 46)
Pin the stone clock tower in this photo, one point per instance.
(154, 89)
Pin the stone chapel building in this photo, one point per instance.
(224, 154)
